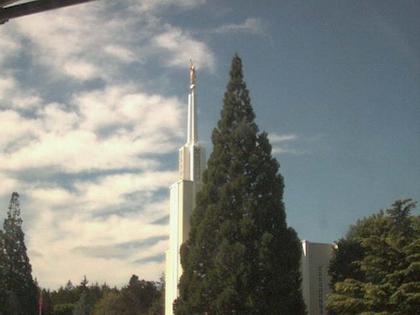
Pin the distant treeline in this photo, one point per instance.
(138, 297)
(20, 294)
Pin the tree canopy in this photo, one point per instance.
(376, 267)
(139, 297)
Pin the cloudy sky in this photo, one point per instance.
(93, 109)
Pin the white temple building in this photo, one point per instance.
(315, 280)
(315, 256)
(182, 197)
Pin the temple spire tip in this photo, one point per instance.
(192, 110)
(193, 75)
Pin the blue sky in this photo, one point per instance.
(93, 109)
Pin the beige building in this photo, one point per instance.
(315, 279)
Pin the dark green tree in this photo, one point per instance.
(88, 297)
(70, 298)
(110, 304)
(3, 292)
(241, 257)
(47, 306)
(376, 268)
(20, 290)
(158, 306)
(137, 298)
(65, 295)
(139, 295)
(63, 309)
(82, 306)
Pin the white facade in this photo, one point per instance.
(315, 280)
(182, 198)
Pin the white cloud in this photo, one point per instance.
(276, 138)
(113, 190)
(15, 128)
(182, 48)
(6, 85)
(28, 101)
(8, 44)
(140, 124)
(81, 69)
(60, 235)
(153, 5)
(52, 196)
(250, 26)
(69, 219)
(153, 114)
(63, 40)
(56, 120)
(280, 150)
(73, 138)
(281, 143)
(12, 95)
(121, 53)
(7, 185)
(98, 151)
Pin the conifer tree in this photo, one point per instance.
(82, 306)
(21, 290)
(157, 308)
(241, 257)
(88, 296)
(47, 306)
(139, 296)
(380, 273)
(110, 304)
(3, 293)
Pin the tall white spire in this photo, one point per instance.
(191, 155)
(192, 135)
(182, 198)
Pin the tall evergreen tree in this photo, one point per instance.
(379, 272)
(3, 292)
(21, 290)
(241, 257)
